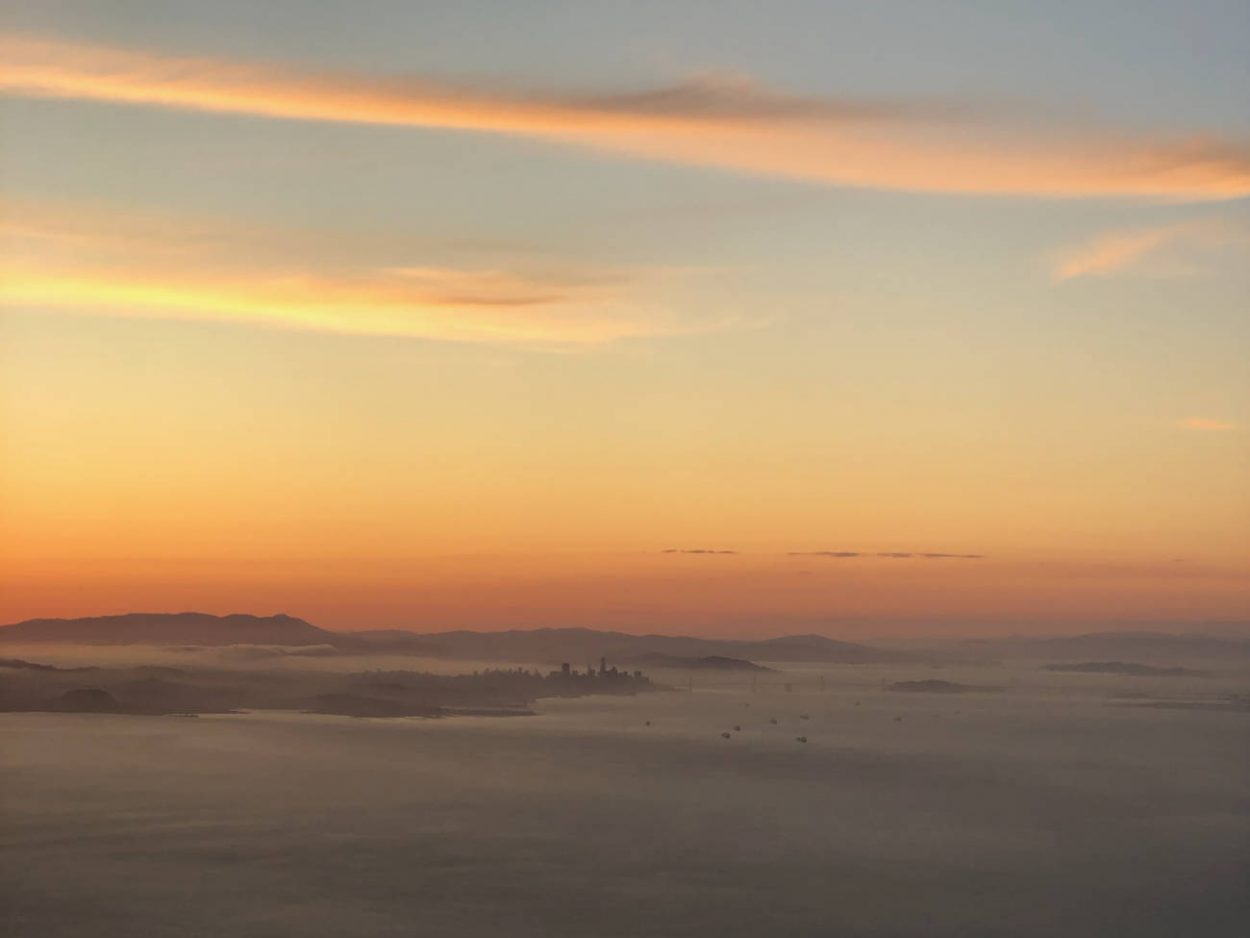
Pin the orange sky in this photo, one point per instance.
(358, 336)
(718, 594)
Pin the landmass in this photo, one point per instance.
(1225, 703)
(31, 687)
(1122, 667)
(939, 687)
(180, 628)
(537, 646)
(657, 659)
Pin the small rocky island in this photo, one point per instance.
(1129, 668)
(939, 687)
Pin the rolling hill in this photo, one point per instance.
(181, 628)
(580, 646)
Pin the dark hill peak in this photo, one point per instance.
(170, 628)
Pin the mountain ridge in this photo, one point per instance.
(172, 628)
(542, 645)
(581, 646)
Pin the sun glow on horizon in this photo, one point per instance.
(586, 340)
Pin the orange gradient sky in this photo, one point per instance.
(618, 326)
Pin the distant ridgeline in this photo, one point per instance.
(1113, 651)
(1123, 667)
(546, 646)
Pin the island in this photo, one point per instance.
(940, 687)
(1128, 668)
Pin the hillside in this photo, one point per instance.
(583, 646)
(655, 659)
(1165, 647)
(578, 646)
(182, 628)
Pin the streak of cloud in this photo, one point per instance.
(1206, 423)
(839, 554)
(884, 555)
(84, 262)
(727, 124)
(1145, 249)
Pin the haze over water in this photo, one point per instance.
(725, 319)
(1041, 811)
(395, 393)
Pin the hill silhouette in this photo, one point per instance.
(656, 659)
(181, 628)
(580, 645)
(537, 646)
(1117, 646)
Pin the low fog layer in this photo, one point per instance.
(903, 799)
(161, 690)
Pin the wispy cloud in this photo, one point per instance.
(1162, 249)
(160, 268)
(835, 554)
(730, 124)
(844, 554)
(1206, 423)
(884, 555)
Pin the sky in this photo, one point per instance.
(868, 319)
